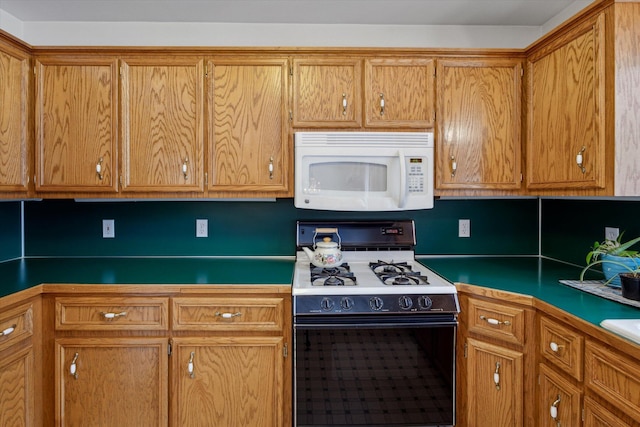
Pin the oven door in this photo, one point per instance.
(370, 371)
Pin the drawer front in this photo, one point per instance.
(613, 377)
(562, 347)
(111, 313)
(228, 314)
(496, 320)
(15, 325)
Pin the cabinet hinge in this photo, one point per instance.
(206, 179)
(206, 70)
(285, 350)
(290, 115)
(121, 71)
(521, 178)
(169, 347)
(465, 350)
(521, 72)
(291, 71)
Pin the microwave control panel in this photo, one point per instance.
(415, 174)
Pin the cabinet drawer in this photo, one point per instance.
(109, 313)
(228, 314)
(496, 321)
(15, 325)
(613, 377)
(562, 347)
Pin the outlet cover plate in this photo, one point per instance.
(108, 229)
(202, 228)
(611, 233)
(464, 228)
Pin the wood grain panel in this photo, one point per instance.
(570, 345)
(248, 125)
(119, 381)
(407, 88)
(318, 89)
(566, 112)
(479, 124)
(162, 114)
(595, 415)
(76, 124)
(553, 388)
(236, 382)
(14, 116)
(20, 320)
(17, 403)
(482, 315)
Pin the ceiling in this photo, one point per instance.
(376, 12)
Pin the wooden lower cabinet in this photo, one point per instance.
(494, 389)
(17, 388)
(595, 415)
(111, 381)
(227, 382)
(558, 400)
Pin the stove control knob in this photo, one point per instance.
(425, 302)
(346, 303)
(405, 302)
(327, 304)
(376, 303)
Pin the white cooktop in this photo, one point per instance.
(367, 282)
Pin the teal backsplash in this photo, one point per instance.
(569, 227)
(10, 230)
(248, 228)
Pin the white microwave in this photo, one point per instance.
(364, 171)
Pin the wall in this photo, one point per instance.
(10, 230)
(167, 228)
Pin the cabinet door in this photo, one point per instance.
(162, 115)
(596, 415)
(111, 382)
(231, 382)
(566, 142)
(399, 93)
(494, 389)
(558, 400)
(76, 124)
(14, 119)
(248, 125)
(479, 122)
(17, 406)
(327, 93)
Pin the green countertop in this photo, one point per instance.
(22, 274)
(533, 276)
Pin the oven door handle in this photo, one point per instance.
(403, 180)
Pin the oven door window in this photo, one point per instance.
(348, 176)
(375, 376)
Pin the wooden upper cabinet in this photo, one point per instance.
(327, 92)
(162, 124)
(479, 124)
(566, 111)
(248, 125)
(399, 93)
(14, 119)
(76, 123)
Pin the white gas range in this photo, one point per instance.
(378, 274)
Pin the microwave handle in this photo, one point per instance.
(403, 180)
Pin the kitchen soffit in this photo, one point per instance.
(373, 12)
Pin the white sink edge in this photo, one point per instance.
(627, 328)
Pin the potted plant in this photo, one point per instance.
(620, 265)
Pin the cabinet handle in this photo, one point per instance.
(99, 168)
(191, 366)
(454, 166)
(73, 368)
(382, 104)
(553, 411)
(271, 168)
(344, 104)
(228, 315)
(496, 376)
(111, 316)
(580, 159)
(185, 168)
(492, 321)
(8, 331)
(555, 347)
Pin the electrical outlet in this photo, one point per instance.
(202, 228)
(611, 233)
(108, 229)
(464, 228)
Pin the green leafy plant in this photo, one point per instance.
(601, 253)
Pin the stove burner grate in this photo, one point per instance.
(397, 273)
(332, 276)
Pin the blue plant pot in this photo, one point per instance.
(612, 270)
